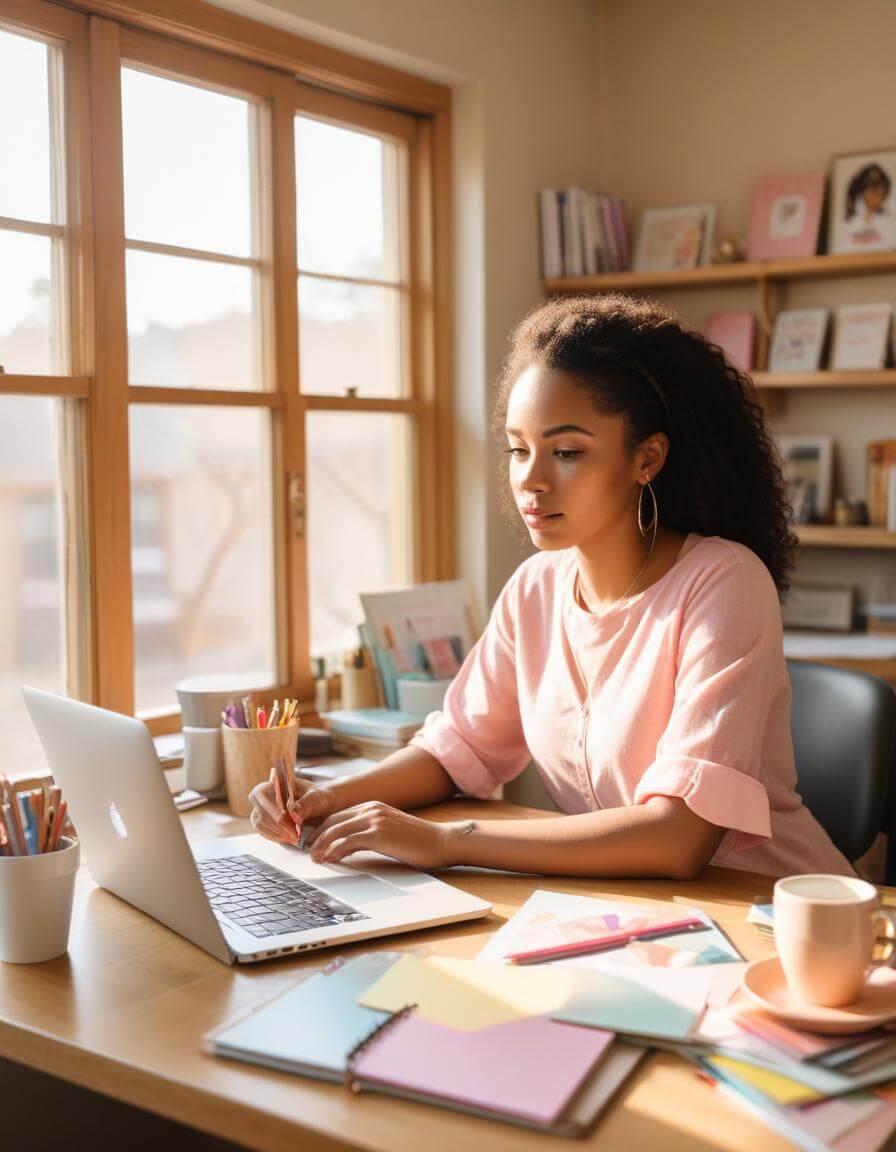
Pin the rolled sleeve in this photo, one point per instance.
(710, 754)
(477, 736)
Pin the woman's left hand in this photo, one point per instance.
(377, 827)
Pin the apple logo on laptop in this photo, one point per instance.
(117, 822)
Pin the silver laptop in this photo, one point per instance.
(242, 898)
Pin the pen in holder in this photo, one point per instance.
(253, 747)
(36, 895)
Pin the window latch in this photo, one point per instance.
(297, 504)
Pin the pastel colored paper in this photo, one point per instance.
(467, 994)
(831, 1119)
(618, 1004)
(876, 1130)
(775, 1085)
(500, 1068)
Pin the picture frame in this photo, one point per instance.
(785, 216)
(862, 335)
(798, 340)
(807, 463)
(862, 216)
(826, 607)
(677, 237)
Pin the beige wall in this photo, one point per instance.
(696, 98)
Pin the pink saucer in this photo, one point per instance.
(763, 981)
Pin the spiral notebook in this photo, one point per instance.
(531, 1071)
(311, 1028)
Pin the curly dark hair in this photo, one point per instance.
(871, 176)
(722, 475)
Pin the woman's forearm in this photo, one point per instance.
(409, 778)
(660, 838)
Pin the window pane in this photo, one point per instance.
(347, 201)
(24, 135)
(186, 165)
(359, 517)
(31, 624)
(202, 546)
(349, 336)
(26, 304)
(190, 323)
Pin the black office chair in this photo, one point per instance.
(844, 741)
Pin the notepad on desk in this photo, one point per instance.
(525, 1069)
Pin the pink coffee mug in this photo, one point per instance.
(826, 930)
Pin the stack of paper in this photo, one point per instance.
(546, 1045)
(763, 916)
(816, 1090)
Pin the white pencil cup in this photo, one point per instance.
(36, 894)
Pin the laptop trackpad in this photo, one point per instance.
(357, 890)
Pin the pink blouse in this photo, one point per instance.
(686, 694)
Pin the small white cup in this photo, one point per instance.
(826, 928)
(36, 894)
(203, 759)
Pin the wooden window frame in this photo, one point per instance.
(288, 75)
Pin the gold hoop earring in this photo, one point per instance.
(651, 527)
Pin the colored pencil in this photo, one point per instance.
(14, 819)
(58, 824)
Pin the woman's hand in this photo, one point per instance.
(377, 827)
(278, 816)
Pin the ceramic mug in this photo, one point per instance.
(826, 929)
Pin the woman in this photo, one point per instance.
(637, 656)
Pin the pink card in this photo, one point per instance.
(785, 214)
(734, 333)
(497, 1069)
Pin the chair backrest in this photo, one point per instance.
(844, 741)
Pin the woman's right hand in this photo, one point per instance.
(281, 820)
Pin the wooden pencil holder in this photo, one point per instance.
(359, 688)
(249, 756)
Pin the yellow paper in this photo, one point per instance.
(775, 1085)
(468, 994)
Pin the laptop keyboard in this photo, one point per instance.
(264, 901)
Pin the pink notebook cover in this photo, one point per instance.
(528, 1068)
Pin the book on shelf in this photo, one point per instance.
(583, 233)
(881, 456)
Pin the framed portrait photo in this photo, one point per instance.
(862, 217)
(808, 465)
(671, 238)
(798, 340)
(785, 216)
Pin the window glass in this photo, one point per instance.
(32, 623)
(359, 518)
(202, 546)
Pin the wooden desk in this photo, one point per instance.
(124, 1011)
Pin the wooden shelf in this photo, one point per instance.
(743, 272)
(866, 378)
(853, 536)
(885, 669)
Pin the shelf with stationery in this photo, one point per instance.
(829, 266)
(768, 278)
(826, 378)
(846, 536)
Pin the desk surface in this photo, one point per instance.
(123, 1013)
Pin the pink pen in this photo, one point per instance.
(601, 943)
